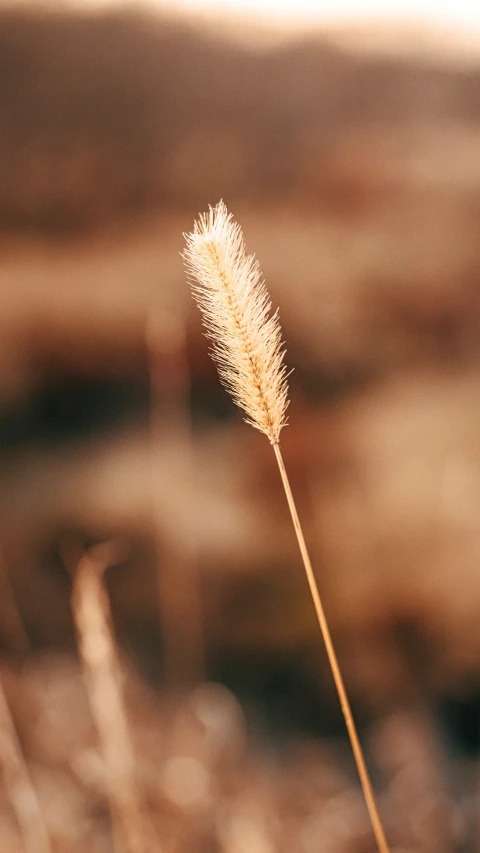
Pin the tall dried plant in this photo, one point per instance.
(103, 677)
(247, 348)
(19, 787)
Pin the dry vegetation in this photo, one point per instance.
(357, 180)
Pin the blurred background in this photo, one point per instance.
(345, 139)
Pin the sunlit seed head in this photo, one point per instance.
(237, 312)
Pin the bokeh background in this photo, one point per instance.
(350, 153)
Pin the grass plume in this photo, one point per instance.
(236, 308)
(247, 347)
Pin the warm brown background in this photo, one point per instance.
(356, 177)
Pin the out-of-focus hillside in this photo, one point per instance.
(356, 177)
(108, 112)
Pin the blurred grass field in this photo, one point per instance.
(355, 174)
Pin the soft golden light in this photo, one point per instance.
(455, 12)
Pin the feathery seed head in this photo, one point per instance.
(237, 313)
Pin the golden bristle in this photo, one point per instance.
(237, 312)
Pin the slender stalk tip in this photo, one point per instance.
(237, 314)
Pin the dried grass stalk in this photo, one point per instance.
(247, 347)
(246, 336)
(19, 787)
(103, 676)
